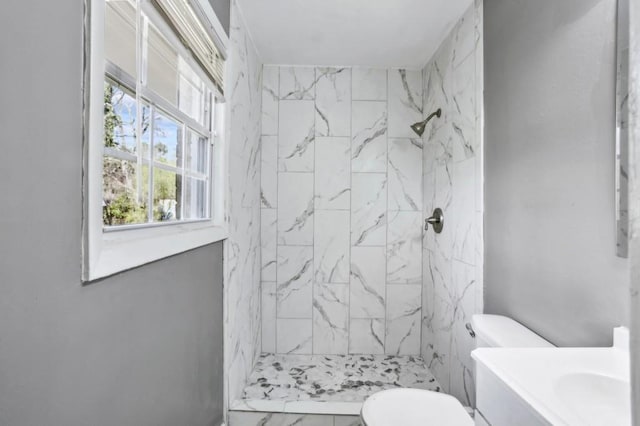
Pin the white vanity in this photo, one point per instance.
(554, 386)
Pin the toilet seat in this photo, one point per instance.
(413, 407)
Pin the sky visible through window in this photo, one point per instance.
(165, 135)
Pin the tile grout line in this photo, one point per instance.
(348, 330)
(275, 320)
(422, 75)
(313, 200)
(386, 234)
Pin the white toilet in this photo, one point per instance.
(418, 407)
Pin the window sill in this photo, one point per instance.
(130, 248)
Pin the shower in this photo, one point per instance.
(420, 125)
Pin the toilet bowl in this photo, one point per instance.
(418, 407)
(413, 407)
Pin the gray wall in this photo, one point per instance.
(222, 8)
(549, 169)
(140, 348)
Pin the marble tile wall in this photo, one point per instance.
(341, 198)
(634, 203)
(246, 418)
(452, 180)
(242, 270)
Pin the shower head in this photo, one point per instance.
(420, 125)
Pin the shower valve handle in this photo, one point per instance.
(436, 220)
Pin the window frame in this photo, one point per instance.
(107, 251)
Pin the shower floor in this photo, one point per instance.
(328, 384)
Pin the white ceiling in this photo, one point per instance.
(377, 33)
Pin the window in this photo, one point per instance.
(155, 156)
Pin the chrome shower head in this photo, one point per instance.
(421, 125)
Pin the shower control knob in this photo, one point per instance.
(436, 220)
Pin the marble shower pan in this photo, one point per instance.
(322, 389)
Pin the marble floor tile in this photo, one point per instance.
(331, 378)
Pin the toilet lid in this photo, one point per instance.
(414, 407)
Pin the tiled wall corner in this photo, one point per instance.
(452, 180)
(242, 268)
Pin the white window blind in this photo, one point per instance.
(195, 37)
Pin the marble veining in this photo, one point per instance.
(333, 173)
(295, 223)
(403, 319)
(268, 316)
(270, 98)
(369, 137)
(368, 282)
(341, 198)
(404, 248)
(330, 318)
(269, 172)
(452, 180)
(297, 83)
(634, 195)
(329, 187)
(369, 209)
(405, 101)
(268, 237)
(294, 336)
(333, 102)
(334, 377)
(242, 258)
(367, 336)
(331, 246)
(244, 418)
(296, 136)
(405, 174)
(295, 279)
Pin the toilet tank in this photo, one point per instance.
(502, 332)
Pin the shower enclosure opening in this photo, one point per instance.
(355, 297)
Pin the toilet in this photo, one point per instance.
(418, 407)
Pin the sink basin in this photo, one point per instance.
(554, 386)
(609, 398)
